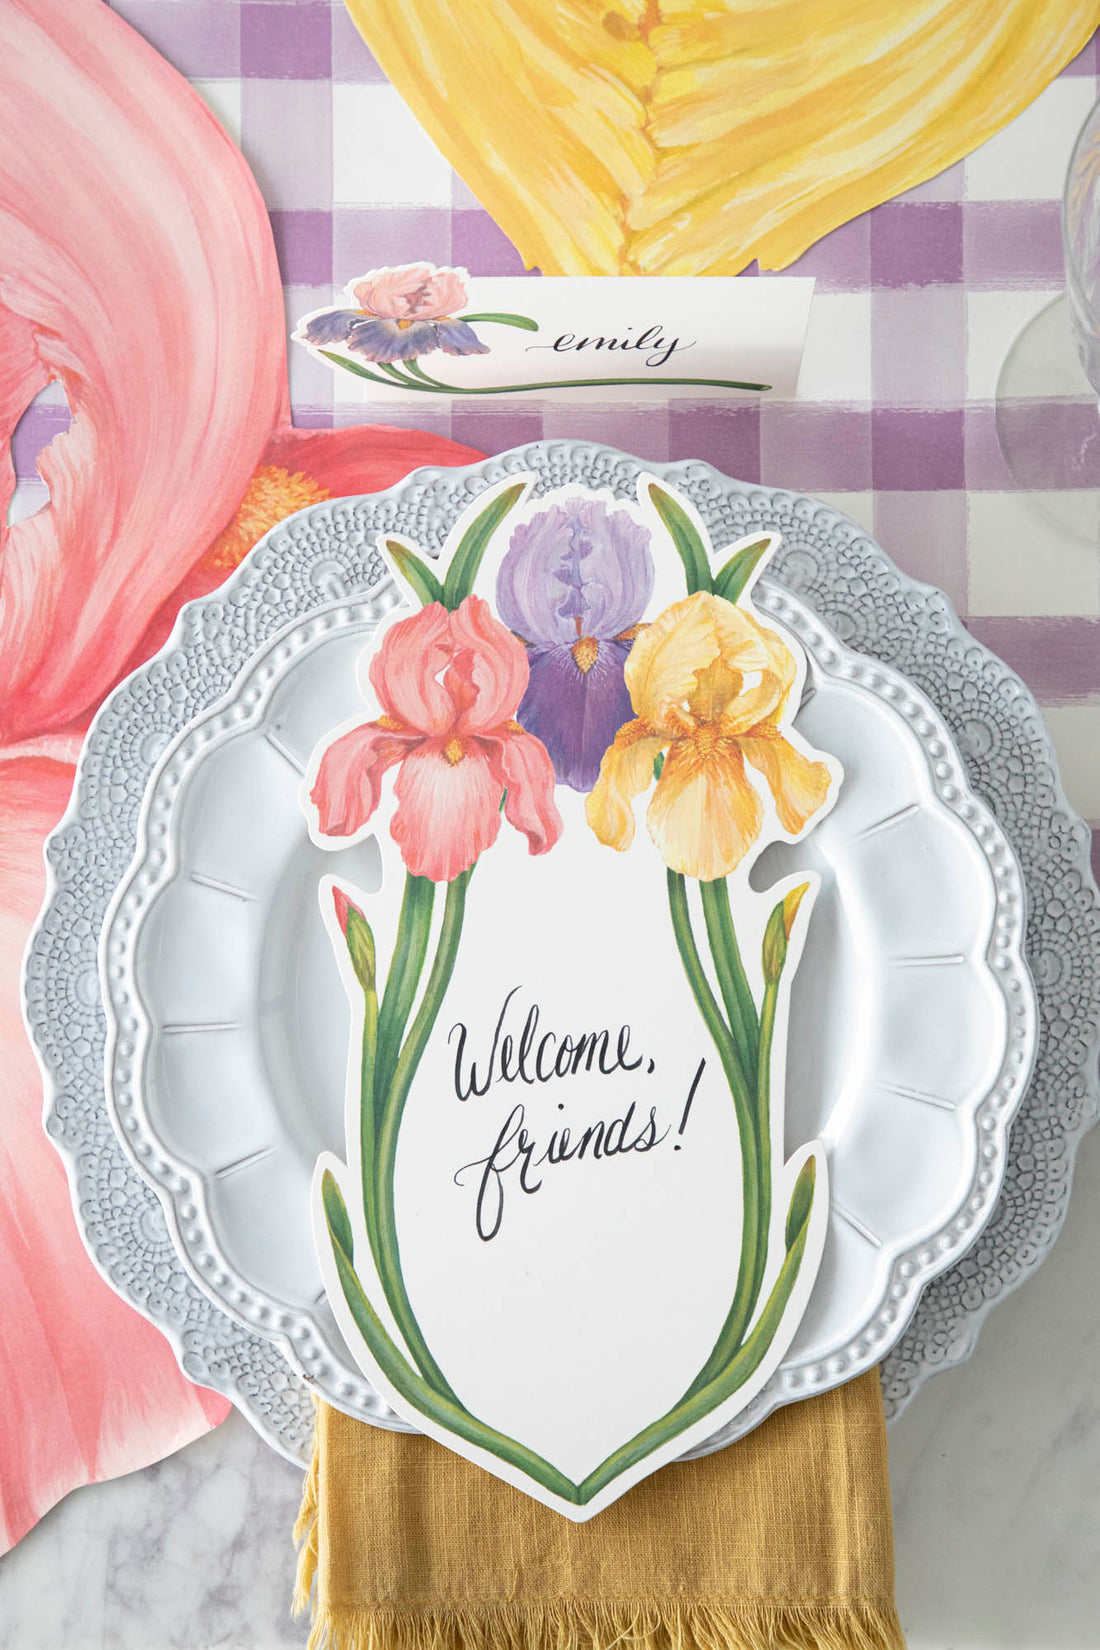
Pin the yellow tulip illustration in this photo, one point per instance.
(709, 685)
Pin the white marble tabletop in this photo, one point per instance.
(996, 1479)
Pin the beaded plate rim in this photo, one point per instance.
(317, 1357)
(234, 1362)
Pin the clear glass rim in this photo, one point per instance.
(1075, 183)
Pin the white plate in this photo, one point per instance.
(914, 1014)
(323, 556)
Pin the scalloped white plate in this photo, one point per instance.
(324, 556)
(913, 1017)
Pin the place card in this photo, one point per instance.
(418, 331)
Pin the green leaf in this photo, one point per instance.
(447, 1411)
(523, 321)
(684, 536)
(802, 1201)
(336, 1214)
(731, 579)
(350, 366)
(473, 543)
(415, 573)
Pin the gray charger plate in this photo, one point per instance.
(325, 555)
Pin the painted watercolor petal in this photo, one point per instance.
(446, 292)
(88, 1389)
(488, 676)
(393, 293)
(405, 671)
(348, 786)
(667, 658)
(704, 816)
(332, 326)
(363, 458)
(625, 772)
(576, 714)
(798, 785)
(129, 200)
(521, 763)
(448, 813)
(458, 338)
(748, 648)
(377, 340)
(614, 567)
(529, 584)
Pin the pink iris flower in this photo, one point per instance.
(448, 685)
(403, 313)
(137, 268)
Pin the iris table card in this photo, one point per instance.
(564, 1123)
(596, 338)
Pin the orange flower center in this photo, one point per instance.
(585, 653)
(454, 751)
(272, 494)
(706, 739)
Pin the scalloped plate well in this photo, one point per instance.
(324, 556)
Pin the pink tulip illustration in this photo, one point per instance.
(137, 268)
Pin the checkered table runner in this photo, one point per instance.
(916, 306)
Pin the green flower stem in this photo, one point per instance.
(734, 986)
(367, 1115)
(435, 387)
(503, 319)
(764, 1122)
(389, 1121)
(440, 1407)
(751, 1235)
(699, 1400)
(409, 951)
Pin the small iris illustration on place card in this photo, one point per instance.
(565, 1097)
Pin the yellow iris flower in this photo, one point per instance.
(708, 685)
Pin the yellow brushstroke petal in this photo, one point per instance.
(687, 137)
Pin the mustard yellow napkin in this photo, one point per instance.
(783, 1541)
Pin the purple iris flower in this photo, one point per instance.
(573, 586)
(403, 313)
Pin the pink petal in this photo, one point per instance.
(405, 671)
(141, 262)
(88, 1388)
(522, 765)
(446, 293)
(364, 458)
(387, 292)
(349, 780)
(448, 812)
(489, 675)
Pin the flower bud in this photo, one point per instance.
(778, 932)
(791, 902)
(802, 1201)
(357, 936)
(774, 951)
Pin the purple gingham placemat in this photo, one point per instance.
(917, 304)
